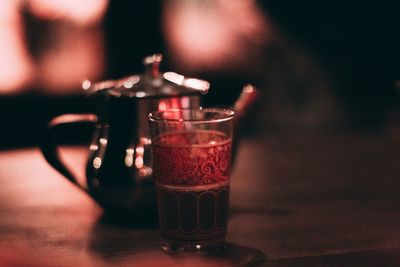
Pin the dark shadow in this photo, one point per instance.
(112, 242)
(272, 211)
(122, 234)
(116, 235)
(142, 218)
(228, 255)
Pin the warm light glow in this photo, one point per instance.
(81, 12)
(218, 34)
(8, 11)
(72, 50)
(23, 162)
(16, 67)
(79, 54)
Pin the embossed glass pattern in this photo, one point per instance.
(192, 161)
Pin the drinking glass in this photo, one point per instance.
(192, 150)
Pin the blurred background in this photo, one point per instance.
(319, 66)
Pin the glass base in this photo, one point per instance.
(177, 246)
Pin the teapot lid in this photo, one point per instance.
(152, 83)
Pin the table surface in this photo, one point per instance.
(306, 200)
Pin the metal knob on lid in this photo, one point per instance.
(152, 64)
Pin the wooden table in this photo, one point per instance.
(305, 200)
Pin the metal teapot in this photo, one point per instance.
(119, 169)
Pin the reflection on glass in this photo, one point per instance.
(97, 162)
(140, 94)
(139, 156)
(174, 77)
(103, 141)
(131, 81)
(200, 85)
(86, 84)
(129, 157)
(93, 147)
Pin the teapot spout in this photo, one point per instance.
(247, 99)
(243, 105)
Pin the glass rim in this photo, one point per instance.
(226, 114)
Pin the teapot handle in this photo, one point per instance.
(49, 147)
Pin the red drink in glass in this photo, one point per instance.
(191, 170)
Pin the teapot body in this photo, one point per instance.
(119, 168)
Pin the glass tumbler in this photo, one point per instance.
(192, 150)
